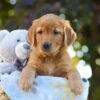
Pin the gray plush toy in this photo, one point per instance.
(14, 50)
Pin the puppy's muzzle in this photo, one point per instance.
(46, 46)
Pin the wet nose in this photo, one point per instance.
(46, 46)
(26, 46)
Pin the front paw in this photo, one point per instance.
(25, 84)
(76, 86)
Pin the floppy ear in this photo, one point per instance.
(69, 33)
(29, 36)
(32, 34)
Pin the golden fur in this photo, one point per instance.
(56, 61)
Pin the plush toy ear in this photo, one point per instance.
(3, 33)
(69, 33)
(32, 34)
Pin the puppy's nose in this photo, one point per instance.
(26, 46)
(46, 46)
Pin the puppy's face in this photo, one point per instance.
(48, 34)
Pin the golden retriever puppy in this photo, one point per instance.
(50, 36)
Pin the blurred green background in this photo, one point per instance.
(84, 16)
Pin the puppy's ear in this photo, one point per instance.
(32, 34)
(69, 33)
(29, 36)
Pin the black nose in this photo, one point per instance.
(46, 46)
(26, 46)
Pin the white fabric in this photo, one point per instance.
(45, 88)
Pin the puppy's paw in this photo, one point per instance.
(76, 86)
(76, 90)
(25, 84)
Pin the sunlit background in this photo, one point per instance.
(84, 16)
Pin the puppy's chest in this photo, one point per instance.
(48, 67)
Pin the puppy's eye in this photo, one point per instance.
(18, 40)
(40, 32)
(55, 32)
